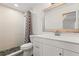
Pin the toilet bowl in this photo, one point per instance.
(27, 49)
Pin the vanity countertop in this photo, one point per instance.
(71, 39)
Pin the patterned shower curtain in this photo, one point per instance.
(28, 27)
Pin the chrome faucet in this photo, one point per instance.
(57, 33)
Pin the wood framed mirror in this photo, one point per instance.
(61, 20)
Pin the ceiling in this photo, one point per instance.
(23, 6)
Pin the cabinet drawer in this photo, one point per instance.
(51, 42)
(35, 43)
(36, 39)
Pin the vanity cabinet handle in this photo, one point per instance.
(60, 54)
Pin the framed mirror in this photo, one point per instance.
(61, 21)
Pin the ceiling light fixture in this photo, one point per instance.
(16, 5)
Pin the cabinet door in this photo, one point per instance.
(69, 53)
(37, 49)
(51, 51)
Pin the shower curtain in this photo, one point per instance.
(28, 27)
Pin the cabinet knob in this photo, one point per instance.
(60, 54)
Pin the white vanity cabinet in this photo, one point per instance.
(50, 47)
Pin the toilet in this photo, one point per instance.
(27, 49)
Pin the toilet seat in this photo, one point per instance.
(26, 46)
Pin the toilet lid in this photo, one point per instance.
(26, 46)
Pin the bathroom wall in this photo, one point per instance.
(11, 28)
(38, 29)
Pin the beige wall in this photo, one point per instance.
(11, 28)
